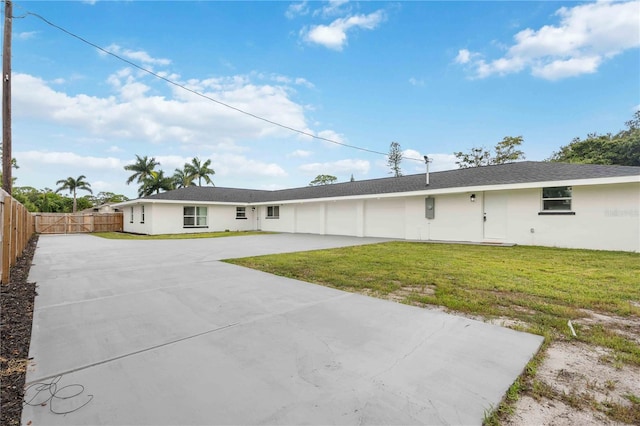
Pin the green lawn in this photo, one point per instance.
(125, 236)
(542, 288)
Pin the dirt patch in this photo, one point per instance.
(405, 292)
(628, 327)
(16, 314)
(576, 387)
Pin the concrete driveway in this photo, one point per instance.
(163, 333)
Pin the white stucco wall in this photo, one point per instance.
(168, 219)
(133, 223)
(309, 218)
(345, 218)
(606, 217)
(285, 223)
(456, 218)
(384, 217)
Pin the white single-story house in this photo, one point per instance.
(529, 203)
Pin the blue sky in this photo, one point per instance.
(437, 77)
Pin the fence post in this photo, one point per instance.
(14, 232)
(6, 237)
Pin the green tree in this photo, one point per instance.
(505, 151)
(27, 196)
(73, 185)
(142, 168)
(50, 202)
(85, 202)
(476, 157)
(182, 179)
(622, 149)
(156, 182)
(104, 197)
(199, 170)
(323, 180)
(395, 158)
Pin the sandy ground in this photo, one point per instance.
(586, 374)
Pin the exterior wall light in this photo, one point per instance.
(472, 198)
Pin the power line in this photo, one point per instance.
(202, 95)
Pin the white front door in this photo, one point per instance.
(495, 216)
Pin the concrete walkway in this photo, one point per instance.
(163, 333)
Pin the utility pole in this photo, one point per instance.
(6, 98)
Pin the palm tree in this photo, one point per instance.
(72, 185)
(154, 183)
(199, 170)
(142, 168)
(181, 178)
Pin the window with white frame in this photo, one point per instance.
(194, 217)
(141, 214)
(241, 212)
(273, 212)
(131, 217)
(556, 199)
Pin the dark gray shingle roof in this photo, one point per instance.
(513, 173)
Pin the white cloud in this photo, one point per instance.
(412, 154)
(441, 162)
(334, 35)
(69, 159)
(136, 55)
(348, 166)
(232, 165)
(464, 56)
(133, 113)
(333, 8)
(226, 164)
(299, 81)
(304, 82)
(415, 82)
(300, 153)
(332, 136)
(567, 68)
(26, 35)
(586, 36)
(297, 9)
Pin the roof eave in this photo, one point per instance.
(424, 192)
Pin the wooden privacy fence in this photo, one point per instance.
(17, 229)
(74, 223)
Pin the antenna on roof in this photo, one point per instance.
(427, 160)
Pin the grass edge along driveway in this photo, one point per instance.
(540, 288)
(194, 235)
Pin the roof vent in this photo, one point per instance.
(427, 160)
